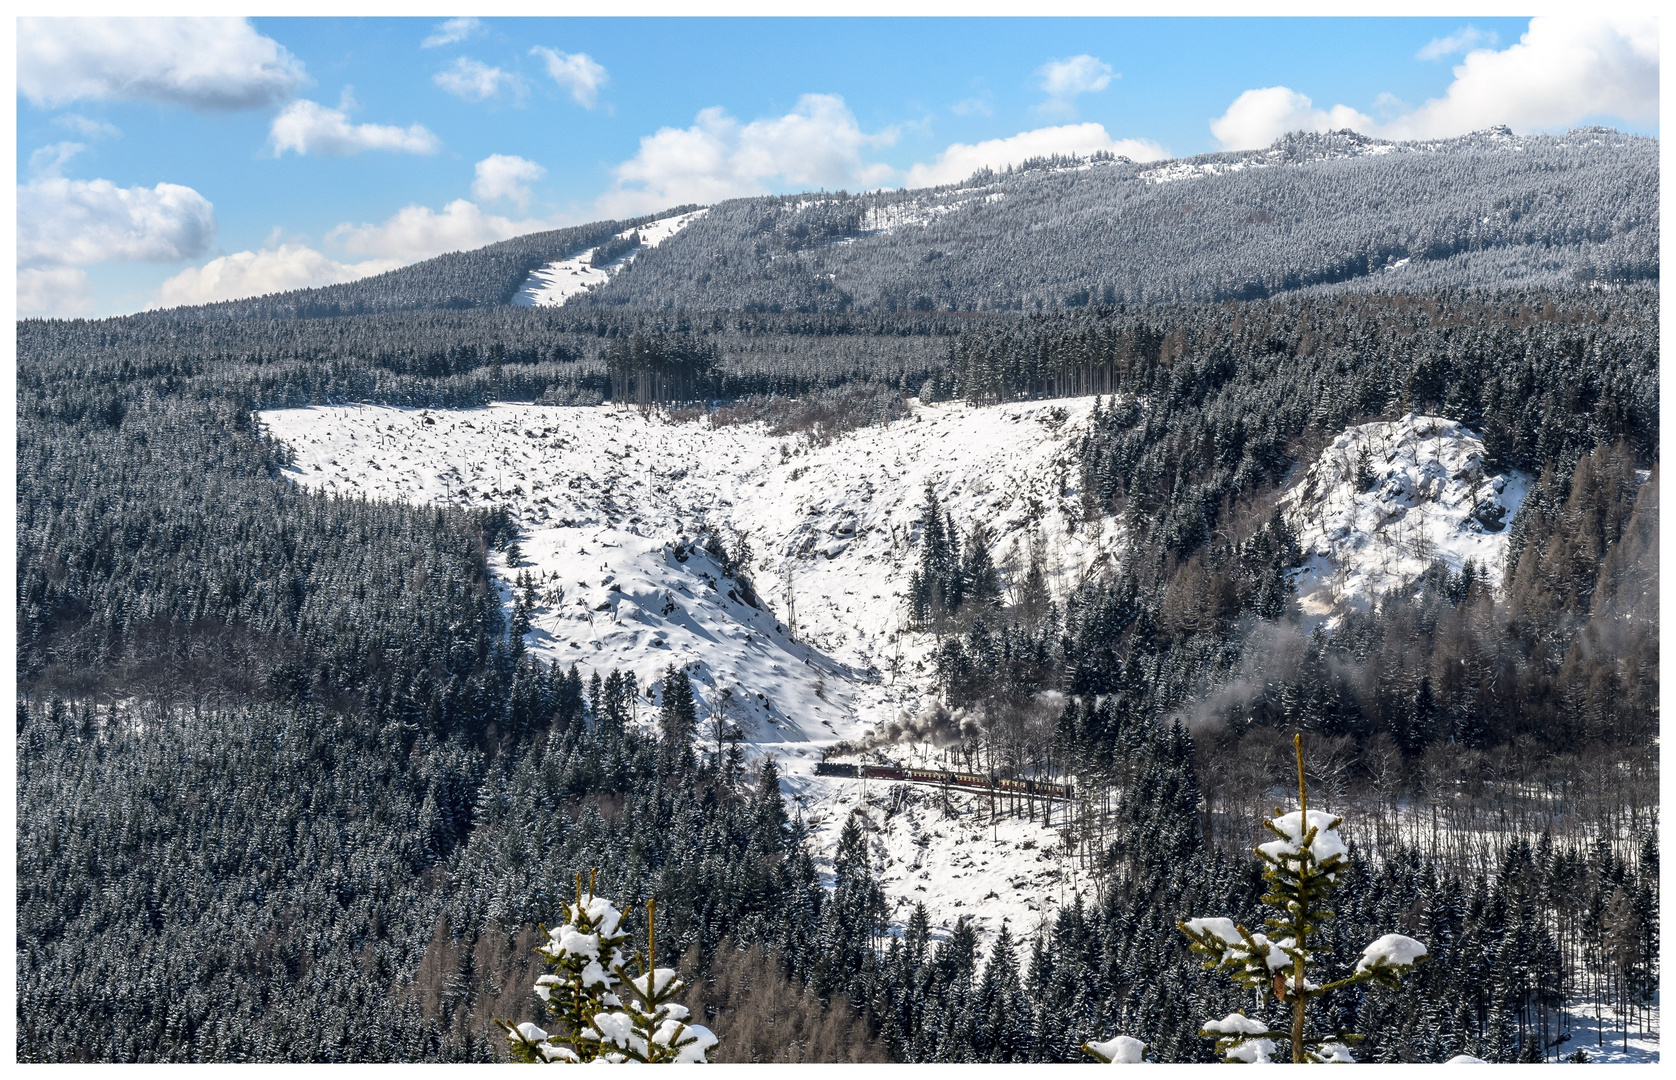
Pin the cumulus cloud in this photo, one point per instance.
(1065, 79)
(257, 273)
(1468, 37)
(961, 160)
(1258, 117)
(81, 222)
(203, 63)
(447, 33)
(1562, 71)
(505, 176)
(817, 144)
(579, 73)
(473, 80)
(61, 292)
(418, 232)
(311, 128)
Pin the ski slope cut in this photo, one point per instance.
(553, 284)
(1385, 500)
(611, 506)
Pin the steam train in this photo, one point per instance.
(1040, 789)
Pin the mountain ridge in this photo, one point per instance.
(1311, 211)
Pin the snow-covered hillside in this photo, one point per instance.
(553, 284)
(610, 503)
(1385, 500)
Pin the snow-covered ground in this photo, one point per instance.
(609, 503)
(1602, 1038)
(557, 282)
(1426, 495)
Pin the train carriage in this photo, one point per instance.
(1040, 789)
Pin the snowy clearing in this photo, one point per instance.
(557, 282)
(609, 502)
(1384, 500)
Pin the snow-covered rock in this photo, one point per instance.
(1385, 500)
(610, 503)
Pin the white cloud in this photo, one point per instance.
(473, 80)
(504, 176)
(961, 160)
(257, 273)
(817, 144)
(82, 222)
(972, 107)
(311, 128)
(1065, 79)
(1259, 117)
(50, 160)
(577, 72)
(1561, 72)
(205, 63)
(87, 127)
(54, 292)
(447, 33)
(1468, 37)
(418, 232)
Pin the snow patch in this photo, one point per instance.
(1392, 950)
(557, 282)
(1122, 1050)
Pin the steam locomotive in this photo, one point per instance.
(1040, 789)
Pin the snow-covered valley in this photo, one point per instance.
(611, 505)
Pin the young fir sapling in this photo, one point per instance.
(1302, 866)
(603, 1013)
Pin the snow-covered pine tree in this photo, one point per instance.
(651, 1026)
(583, 958)
(584, 992)
(1302, 866)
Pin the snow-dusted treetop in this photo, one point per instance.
(1325, 845)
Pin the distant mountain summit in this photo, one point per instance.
(1335, 210)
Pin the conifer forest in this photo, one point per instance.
(303, 772)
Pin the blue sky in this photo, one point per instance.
(305, 151)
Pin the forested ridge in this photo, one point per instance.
(289, 791)
(1313, 212)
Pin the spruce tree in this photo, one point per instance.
(678, 714)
